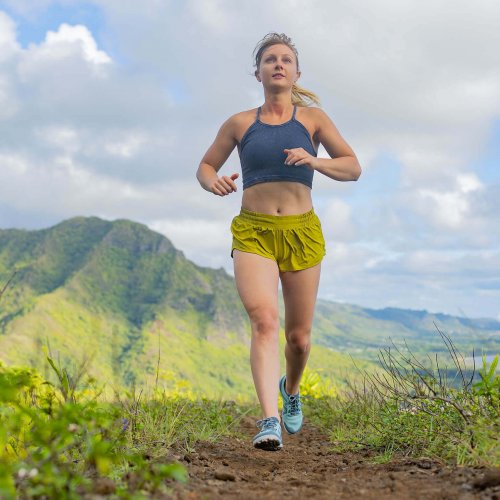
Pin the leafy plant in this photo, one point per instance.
(412, 407)
(64, 441)
(489, 385)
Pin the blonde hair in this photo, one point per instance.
(300, 95)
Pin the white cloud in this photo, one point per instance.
(62, 44)
(63, 186)
(61, 137)
(211, 14)
(8, 105)
(450, 208)
(204, 240)
(127, 146)
(8, 44)
(337, 221)
(71, 46)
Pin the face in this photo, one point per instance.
(278, 66)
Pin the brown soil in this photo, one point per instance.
(307, 467)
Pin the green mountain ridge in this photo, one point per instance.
(363, 331)
(123, 296)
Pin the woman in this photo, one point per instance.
(277, 236)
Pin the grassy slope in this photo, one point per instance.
(216, 368)
(119, 293)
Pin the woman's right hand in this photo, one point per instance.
(224, 185)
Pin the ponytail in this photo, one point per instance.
(303, 97)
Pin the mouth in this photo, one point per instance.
(278, 75)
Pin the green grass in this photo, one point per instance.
(63, 438)
(61, 441)
(406, 414)
(214, 364)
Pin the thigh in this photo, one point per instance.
(257, 282)
(300, 289)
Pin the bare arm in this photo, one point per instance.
(342, 165)
(213, 160)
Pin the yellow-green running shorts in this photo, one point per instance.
(295, 242)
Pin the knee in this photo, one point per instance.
(299, 340)
(265, 323)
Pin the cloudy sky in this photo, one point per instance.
(107, 106)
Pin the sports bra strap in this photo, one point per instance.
(257, 118)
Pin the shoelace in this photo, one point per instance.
(294, 405)
(266, 423)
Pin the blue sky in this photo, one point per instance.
(106, 108)
(32, 26)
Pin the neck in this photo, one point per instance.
(277, 104)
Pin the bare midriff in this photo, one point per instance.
(277, 198)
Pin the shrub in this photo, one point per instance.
(413, 408)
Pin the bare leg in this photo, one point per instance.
(257, 283)
(300, 289)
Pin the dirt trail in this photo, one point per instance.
(307, 468)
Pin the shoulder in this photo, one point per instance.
(242, 117)
(232, 126)
(238, 123)
(315, 115)
(315, 120)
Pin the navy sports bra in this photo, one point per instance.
(262, 157)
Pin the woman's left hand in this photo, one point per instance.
(298, 157)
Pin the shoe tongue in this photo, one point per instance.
(265, 421)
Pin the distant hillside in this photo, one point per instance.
(122, 295)
(122, 268)
(362, 331)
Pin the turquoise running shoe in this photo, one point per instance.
(269, 438)
(292, 409)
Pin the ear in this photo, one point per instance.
(257, 76)
(298, 75)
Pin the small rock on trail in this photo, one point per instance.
(307, 467)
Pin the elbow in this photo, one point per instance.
(356, 172)
(199, 174)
